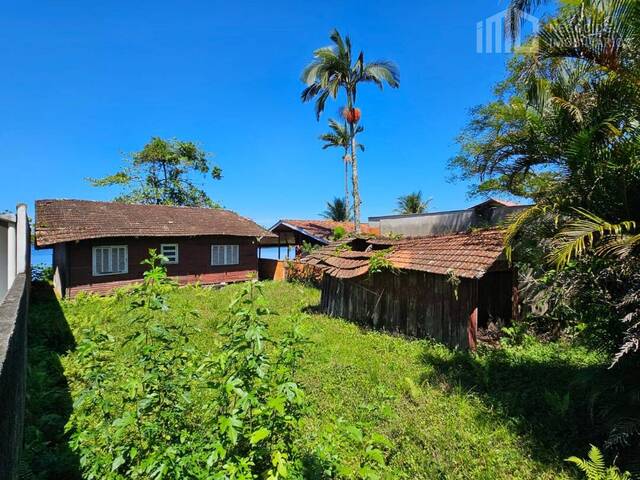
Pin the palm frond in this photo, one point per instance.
(516, 222)
(581, 235)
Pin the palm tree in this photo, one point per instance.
(339, 137)
(334, 69)
(412, 204)
(336, 211)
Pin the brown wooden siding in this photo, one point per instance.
(495, 297)
(418, 304)
(194, 262)
(272, 269)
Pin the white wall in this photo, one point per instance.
(14, 247)
(4, 250)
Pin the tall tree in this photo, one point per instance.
(335, 69)
(337, 211)
(162, 173)
(339, 137)
(412, 203)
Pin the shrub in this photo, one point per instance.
(150, 405)
(41, 272)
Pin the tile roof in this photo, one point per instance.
(467, 255)
(68, 220)
(323, 229)
(339, 263)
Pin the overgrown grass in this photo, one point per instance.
(515, 412)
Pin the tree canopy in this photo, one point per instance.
(162, 173)
(412, 203)
(337, 211)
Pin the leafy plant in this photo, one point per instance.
(308, 247)
(338, 233)
(454, 281)
(378, 262)
(151, 405)
(594, 467)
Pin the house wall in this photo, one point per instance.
(419, 304)
(60, 268)
(495, 298)
(194, 262)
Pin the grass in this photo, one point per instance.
(514, 412)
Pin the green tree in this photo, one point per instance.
(162, 173)
(336, 211)
(335, 69)
(412, 203)
(339, 137)
(564, 130)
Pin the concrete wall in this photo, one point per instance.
(13, 371)
(443, 222)
(4, 247)
(15, 260)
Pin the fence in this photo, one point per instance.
(14, 304)
(280, 270)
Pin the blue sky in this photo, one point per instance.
(85, 82)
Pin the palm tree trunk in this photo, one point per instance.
(354, 178)
(346, 181)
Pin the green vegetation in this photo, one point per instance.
(339, 137)
(337, 211)
(412, 203)
(162, 174)
(375, 405)
(336, 69)
(595, 467)
(563, 131)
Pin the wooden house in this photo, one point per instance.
(293, 233)
(98, 246)
(441, 287)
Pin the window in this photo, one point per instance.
(225, 254)
(169, 250)
(110, 260)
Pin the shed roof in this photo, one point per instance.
(320, 230)
(68, 220)
(467, 255)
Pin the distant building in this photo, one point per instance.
(489, 213)
(292, 233)
(98, 246)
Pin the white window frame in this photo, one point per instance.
(94, 271)
(175, 246)
(228, 257)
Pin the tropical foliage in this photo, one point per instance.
(336, 69)
(337, 211)
(595, 468)
(564, 131)
(412, 203)
(162, 174)
(339, 137)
